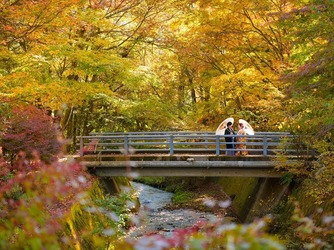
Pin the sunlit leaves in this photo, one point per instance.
(310, 26)
(26, 22)
(230, 55)
(320, 187)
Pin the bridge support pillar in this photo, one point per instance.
(110, 185)
(253, 197)
(268, 194)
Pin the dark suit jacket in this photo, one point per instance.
(230, 138)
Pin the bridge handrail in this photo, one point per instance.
(180, 132)
(178, 142)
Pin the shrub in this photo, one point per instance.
(34, 203)
(30, 130)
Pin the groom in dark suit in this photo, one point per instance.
(229, 139)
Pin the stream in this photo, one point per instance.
(156, 219)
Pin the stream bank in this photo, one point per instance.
(251, 197)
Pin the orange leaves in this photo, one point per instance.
(26, 20)
(8, 28)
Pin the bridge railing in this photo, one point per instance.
(174, 143)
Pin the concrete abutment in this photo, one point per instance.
(253, 197)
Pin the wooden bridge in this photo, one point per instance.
(188, 154)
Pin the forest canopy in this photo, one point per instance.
(135, 65)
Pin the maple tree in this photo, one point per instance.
(193, 61)
(35, 200)
(310, 79)
(30, 130)
(309, 99)
(308, 112)
(85, 66)
(229, 56)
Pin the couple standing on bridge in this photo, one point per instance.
(235, 145)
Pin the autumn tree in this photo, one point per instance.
(311, 83)
(83, 64)
(35, 201)
(228, 58)
(309, 104)
(309, 113)
(29, 130)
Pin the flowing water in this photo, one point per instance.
(156, 219)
